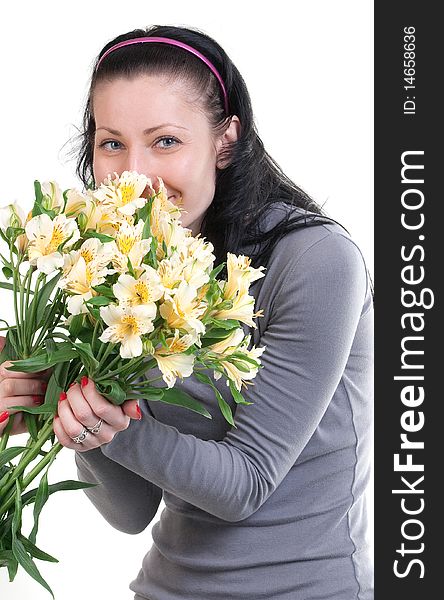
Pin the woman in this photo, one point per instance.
(274, 508)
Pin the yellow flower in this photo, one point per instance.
(182, 311)
(144, 290)
(231, 364)
(240, 275)
(83, 269)
(45, 236)
(242, 310)
(124, 192)
(172, 363)
(52, 196)
(126, 326)
(128, 244)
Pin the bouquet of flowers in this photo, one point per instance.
(108, 284)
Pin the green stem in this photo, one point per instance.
(14, 292)
(5, 437)
(49, 323)
(108, 350)
(32, 475)
(43, 436)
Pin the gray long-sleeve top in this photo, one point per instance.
(274, 509)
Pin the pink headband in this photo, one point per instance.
(171, 42)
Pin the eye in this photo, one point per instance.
(167, 142)
(106, 142)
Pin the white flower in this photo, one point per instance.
(144, 290)
(172, 362)
(45, 236)
(231, 364)
(83, 269)
(128, 244)
(11, 215)
(52, 196)
(127, 325)
(240, 275)
(183, 310)
(124, 192)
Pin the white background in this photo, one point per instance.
(309, 68)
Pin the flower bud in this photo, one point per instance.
(148, 347)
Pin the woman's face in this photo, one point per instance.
(145, 124)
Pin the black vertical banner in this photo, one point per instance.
(409, 356)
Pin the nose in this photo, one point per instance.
(135, 161)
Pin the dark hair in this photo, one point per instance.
(252, 182)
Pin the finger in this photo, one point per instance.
(10, 387)
(6, 374)
(103, 408)
(80, 407)
(70, 427)
(131, 408)
(9, 403)
(4, 419)
(64, 437)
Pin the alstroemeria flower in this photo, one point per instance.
(124, 192)
(13, 215)
(126, 326)
(172, 363)
(128, 244)
(83, 269)
(52, 196)
(144, 290)
(242, 310)
(45, 236)
(230, 365)
(183, 310)
(240, 275)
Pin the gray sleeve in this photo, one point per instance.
(127, 501)
(308, 339)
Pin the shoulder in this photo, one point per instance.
(318, 256)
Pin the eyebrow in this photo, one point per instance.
(146, 131)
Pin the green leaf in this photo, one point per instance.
(103, 290)
(34, 551)
(40, 500)
(101, 236)
(112, 390)
(237, 396)
(31, 425)
(38, 192)
(224, 407)
(76, 325)
(60, 486)
(180, 398)
(8, 352)
(227, 324)
(10, 453)
(87, 357)
(42, 299)
(99, 301)
(148, 393)
(40, 362)
(203, 378)
(28, 564)
(215, 272)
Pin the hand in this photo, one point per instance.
(24, 389)
(83, 406)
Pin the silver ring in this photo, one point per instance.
(96, 427)
(81, 437)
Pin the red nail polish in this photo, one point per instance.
(84, 381)
(139, 412)
(44, 386)
(37, 400)
(4, 416)
(63, 396)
